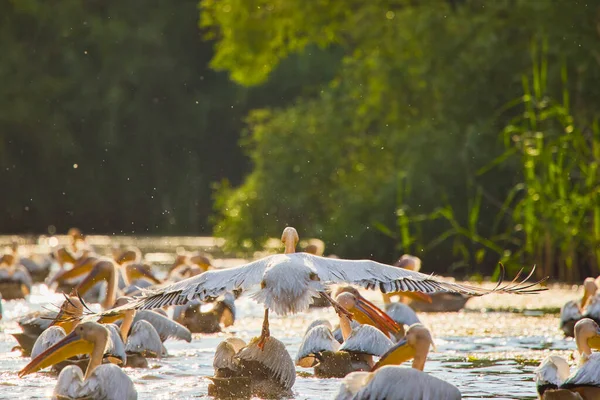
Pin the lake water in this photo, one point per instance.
(486, 354)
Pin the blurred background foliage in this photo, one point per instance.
(462, 131)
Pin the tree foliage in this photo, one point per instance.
(388, 158)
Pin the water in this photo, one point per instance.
(485, 354)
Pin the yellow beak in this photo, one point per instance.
(396, 355)
(594, 341)
(68, 347)
(81, 267)
(368, 313)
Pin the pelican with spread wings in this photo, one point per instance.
(289, 282)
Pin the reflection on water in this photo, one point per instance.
(487, 355)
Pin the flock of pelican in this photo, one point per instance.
(365, 346)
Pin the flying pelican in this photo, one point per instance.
(552, 376)
(191, 316)
(572, 310)
(105, 381)
(391, 382)
(243, 371)
(289, 282)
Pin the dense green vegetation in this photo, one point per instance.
(462, 131)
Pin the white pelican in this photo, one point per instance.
(101, 381)
(33, 324)
(391, 382)
(222, 311)
(15, 281)
(438, 302)
(552, 376)
(572, 310)
(319, 349)
(243, 371)
(365, 312)
(289, 282)
(402, 314)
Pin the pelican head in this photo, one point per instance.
(200, 260)
(409, 262)
(366, 312)
(129, 255)
(587, 336)
(290, 239)
(75, 234)
(415, 346)
(140, 271)
(69, 313)
(87, 338)
(589, 290)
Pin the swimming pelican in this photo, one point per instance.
(572, 310)
(289, 282)
(402, 314)
(319, 349)
(242, 371)
(191, 316)
(105, 381)
(390, 382)
(15, 281)
(33, 324)
(437, 302)
(552, 376)
(38, 270)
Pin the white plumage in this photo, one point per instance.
(47, 339)
(317, 340)
(552, 371)
(288, 282)
(274, 357)
(588, 373)
(402, 314)
(366, 339)
(164, 326)
(145, 340)
(106, 382)
(395, 383)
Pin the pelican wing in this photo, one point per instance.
(402, 314)
(392, 382)
(115, 346)
(36, 322)
(316, 340)
(110, 382)
(209, 284)
(570, 311)
(553, 370)
(593, 309)
(70, 384)
(47, 339)
(317, 322)
(587, 375)
(373, 275)
(368, 340)
(165, 327)
(145, 340)
(274, 357)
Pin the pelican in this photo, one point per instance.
(105, 381)
(437, 302)
(572, 310)
(319, 349)
(390, 382)
(15, 281)
(242, 371)
(188, 265)
(37, 270)
(289, 282)
(402, 314)
(191, 316)
(552, 376)
(33, 324)
(365, 312)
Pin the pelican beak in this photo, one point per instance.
(379, 318)
(81, 267)
(98, 273)
(594, 341)
(138, 271)
(68, 347)
(109, 318)
(397, 354)
(417, 296)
